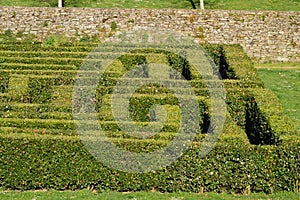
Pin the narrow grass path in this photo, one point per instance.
(89, 195)
(283, 66)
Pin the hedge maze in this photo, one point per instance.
(258, 149)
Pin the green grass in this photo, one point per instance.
(89, 195)
(104, 3)
(280, 65)
(285, 5)
(284, 80)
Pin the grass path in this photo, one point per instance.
(284, 80)
(280, 5)
(89, 195)
(284, 66)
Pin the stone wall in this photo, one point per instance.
(264, 35)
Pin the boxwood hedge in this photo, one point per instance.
(40, 150)
(265, 118)
(4, 81)
(42, 162)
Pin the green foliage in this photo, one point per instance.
(219, 57)
(88, 38)
(38, 123)
(8, 33)
(37, 60)
(286, 5)
(284, 80)
(257, 125)
(114, 26)
(180, 63)
(33, 108)
(52, 41)
(265, 118)
(36, 46)
(40, 150)
(40, 90)
(131, 61)
(63, 163)
(4, 81)
(241, 65)
(19, 34)
(236, 102)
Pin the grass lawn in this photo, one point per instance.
(286, 5)
(284, 80)
(89, 195)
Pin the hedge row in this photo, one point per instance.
(236, 102)
(36, 89)
(44, 72)
(37, 131)
(84, 47)
(46, 61)
(38, 123)
(41, 86)
(62, 163)
(58, 55)
(106, 86)
(4, 81)
(40, 90)
(139, 108)
(33, 108)
(70, 124)
(43, 54)
(113, 77)
(38, 47)
(27, 41)
(22, 66)
(241, 65)
(260, 113)
(29, 114)
(45, 154)
(265, 118)
(150, 89)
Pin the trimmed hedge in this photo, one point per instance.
(236, 104)
(39, 115)
(151, 89)
(38, 60)
(4, 81)
(39, 149)
(37, 131)
(63, 163)
(38, 123)
(22, 66)
(61, 43)
(39, 47)
(70, 124)
(241, 65)
(34, 108)
(40, 90)
(219, 57)
(130, 61)
(44, 72)
(43, 54)
(265, 118)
